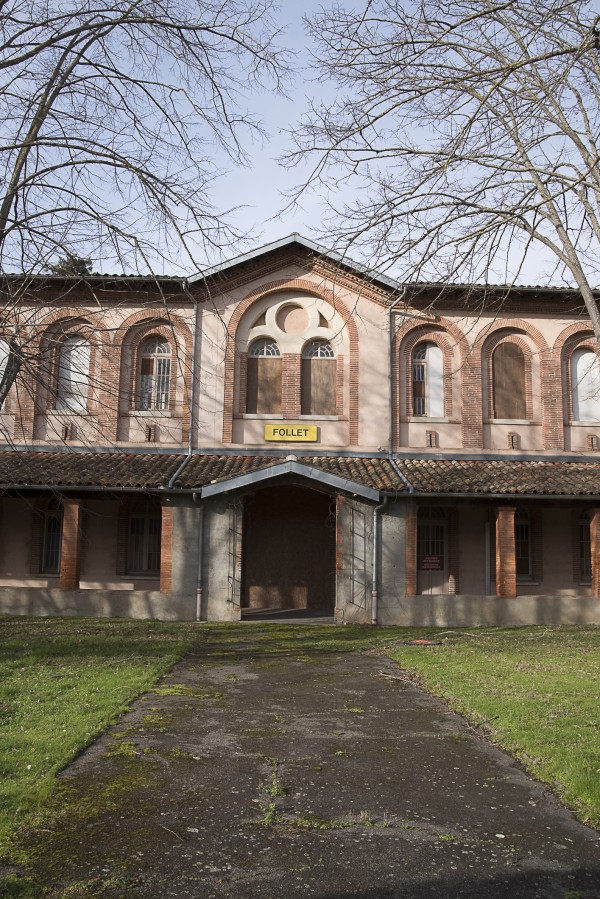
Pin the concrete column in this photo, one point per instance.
(506, 566)
(411, 550)
(70, 555)
(595, 550)
(166, 549)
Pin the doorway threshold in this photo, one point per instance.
(307, 616)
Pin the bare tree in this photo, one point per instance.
(469, 130)
(112, 115)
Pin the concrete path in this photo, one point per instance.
(251, 775)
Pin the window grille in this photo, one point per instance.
(154, 375)
(264, 347)
(143, 550)
(52, 537)
(318, 349)
(585, 549)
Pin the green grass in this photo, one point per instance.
(63, 681)
(535, 691)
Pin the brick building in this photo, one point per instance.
(289, 432)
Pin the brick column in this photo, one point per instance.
(166, 549)
(70, 555)
(411, 550)
(595, 549)
(290, 385)
(506, 566)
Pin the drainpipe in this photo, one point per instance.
(375, 587)
(199, 580)
(391, 311)
(196, 338)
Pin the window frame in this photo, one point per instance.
(159, 398)
(264, 381)
(315, 352)
(147, 517)
(52, 514)
(68, 399)
(421, 364)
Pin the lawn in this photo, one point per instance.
(535, 691)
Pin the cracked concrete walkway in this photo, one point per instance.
(305, 774)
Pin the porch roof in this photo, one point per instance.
(80, 469)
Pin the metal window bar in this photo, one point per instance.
(52, 541)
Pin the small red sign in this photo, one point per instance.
(432, 563)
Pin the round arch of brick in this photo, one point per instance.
(303, 286)
(133, 332)
(479, 360)
(52, 331)
(68, 321)
(575, 337)
(488, 355)
(444, 334)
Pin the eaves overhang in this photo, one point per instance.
(254, 478)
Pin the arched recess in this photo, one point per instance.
(57, 330)
(133, 335)
(453, 344)
(477, 402)
(521, 382)
(249, 311)
(572, 341)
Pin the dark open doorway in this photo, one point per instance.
(288, 553)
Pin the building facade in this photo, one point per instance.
(289, 434)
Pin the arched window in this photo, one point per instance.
(154, 374)
(143, 544)
(508, 378)
(264, 377)
(428, 381)
(585, 385)
(318, 379)
(523, 554)
(51, 537)
(73, 374)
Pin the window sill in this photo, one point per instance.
(132, 575)
(152, 413)
(583, 424)
(512, 421)
(260, 416)
(425, 419)
(527, 583)
(69, 413)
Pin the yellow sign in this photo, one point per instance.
(295, 433)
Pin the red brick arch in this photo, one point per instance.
(488, 353)
(273, 287)
(445, 334)
(53, 329)
(479, 360)
(131, 335)
(576, 337)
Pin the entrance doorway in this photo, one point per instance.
(288, 552)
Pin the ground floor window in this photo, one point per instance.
(52, 537)
(585, 550)
(523, 554)
(143, 545)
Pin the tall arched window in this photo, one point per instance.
(263, 391)
(154, 374)
(318, 379)
(508, 377)
(585, 385)
(73, 374)
(428, 381)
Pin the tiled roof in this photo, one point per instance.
(509, 477)
(87, 469)
(427, 476)
(376, 473)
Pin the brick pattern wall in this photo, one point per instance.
(70, 559)
(290, 386)
(113, 352)
(411, 550)
(506, 569)
(595, 550)
(233, 365)
(166, 549)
